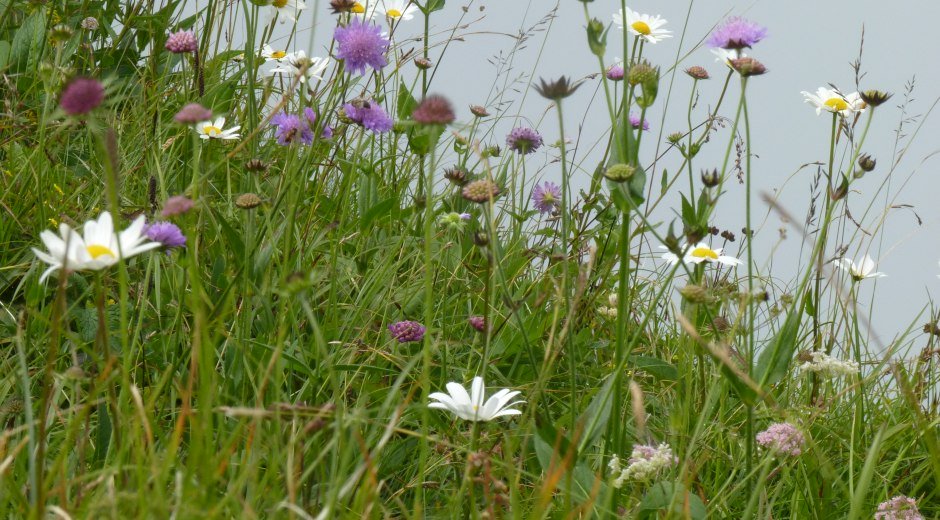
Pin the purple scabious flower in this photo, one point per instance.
(310, 115)
(167, 233)
(291, 129)
(361, 43)
(615, 73)
(407, 331)
(635, 122)
(182, 42)
(370, 115)
(782, 439)
(327, 132)
(737, 33)
(523, 140)
(546, 196)
(899, 508)
(81, 96)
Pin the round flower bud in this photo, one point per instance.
(619, 172)
(480, 191)
(696, 72)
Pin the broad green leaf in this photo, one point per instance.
(673, 498)
(774, 361)
(655, 367)
(594, 419)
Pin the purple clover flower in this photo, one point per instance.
(523, 140)
(176, 205)
(782, 439)
(407, 331)
(81, 96)
(635, 122)
(478, 323)
(291, 129)
(737, 33)
(167, 233)
(371, 115)
(182, 42)
(899, 508)
(546, 197)
(361, 44)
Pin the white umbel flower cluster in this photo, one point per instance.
(825, 364)
(646, 461)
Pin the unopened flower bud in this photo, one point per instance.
(748, 66)
(674, 137)
(874, 97)
(478, 111)
(696, 294)
(710, 178)
(597, 37)
(423, 63)
(619, 172)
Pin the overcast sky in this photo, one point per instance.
(810, 44)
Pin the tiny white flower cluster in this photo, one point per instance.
(646, 461)
(826, 364)
(611, 311)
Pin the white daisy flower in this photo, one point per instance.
(726, 55)
(648, 27)
(396, 10)
(272, 54)
(216, 130)
(100, 246)
(471, 406)
(865, 269)
(701, 252)
(288, 9)
(832, 100)
(294, 63)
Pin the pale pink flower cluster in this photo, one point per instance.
(782, 439)
(646, 461)
(899, 508)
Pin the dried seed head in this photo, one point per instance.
(696, 72)
(248, 201)
(748, 66)
(342, 6)
(456, 175)
(696, 294)
(866, 162)
(874, 98)
(480, 191)
(558, 89)
(423, 63)
(257, 166)
(478, 111)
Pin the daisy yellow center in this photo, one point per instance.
(642, 28)
(393, 13)
(836, 104)
(96, 250)
(278, 54)
(704, 252)
(211, 130)
(279, 3)
(358, 8)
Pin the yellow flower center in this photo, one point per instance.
(96, 250)
(393, 13)
(704, 252)
(358, 8)
(279, 3)
(278, 54)
(211, 130)
(836, 104)
(642, 28)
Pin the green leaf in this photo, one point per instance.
(583, 481)
(406, 102)
(381, 209)
(594, 419)
(774, 361)
(673, 498)
(28, 39)
(656, 367)
(433, 5)
(231, 236)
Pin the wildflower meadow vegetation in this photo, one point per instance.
(242, 277)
